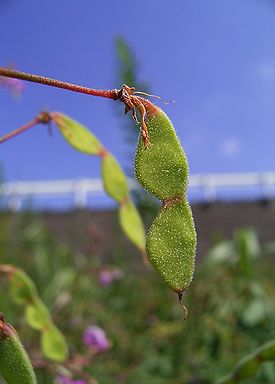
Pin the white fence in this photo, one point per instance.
(207, 187)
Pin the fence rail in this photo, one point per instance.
(208, 187)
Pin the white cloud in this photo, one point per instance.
(214, 104)
(267, 70)
(230, 147)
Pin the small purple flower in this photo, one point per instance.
(107, 276)
(68, 380)
(17, 86)
(63, 380)
(95, 337)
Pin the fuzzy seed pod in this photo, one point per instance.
(15, 365)
(161, 168)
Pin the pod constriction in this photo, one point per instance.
(162, 168)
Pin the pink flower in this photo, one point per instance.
(68, 380)
(107, 276)
(95, 337)
(17, 86)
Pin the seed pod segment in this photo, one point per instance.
(15, 365)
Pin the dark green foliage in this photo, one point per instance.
(249, 365)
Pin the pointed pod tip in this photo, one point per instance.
(185, 310)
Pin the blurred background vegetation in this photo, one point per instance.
(231, 306)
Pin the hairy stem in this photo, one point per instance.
(109, 93)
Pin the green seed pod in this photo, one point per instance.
(76, 134)
(131, 223)
(53, 343)
(114, 179)
(161, 167)
(15, 365)
(170, 245)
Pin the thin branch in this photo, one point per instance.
(16, 132)
(109, 93)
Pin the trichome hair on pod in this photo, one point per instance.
(15, 365)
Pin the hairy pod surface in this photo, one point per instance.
(162, 169)
(15, 365)
(171, 242)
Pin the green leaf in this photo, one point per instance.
(22, 287)
(77, 135)
(54, 345)
(114, 179)
(37, 315)
(132, 224)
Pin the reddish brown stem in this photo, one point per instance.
(109, 93)
(16, 132)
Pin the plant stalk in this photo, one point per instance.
(109, 93)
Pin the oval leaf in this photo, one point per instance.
(77, 135)
(114, 179)
(54, 345)
(22, 287)
(132, 224)
(37, 315)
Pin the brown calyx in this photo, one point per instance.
(132, 103)
(103, 152)
(44, 117)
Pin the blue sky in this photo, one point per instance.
(215, 58)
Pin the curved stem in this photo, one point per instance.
(109, 93)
